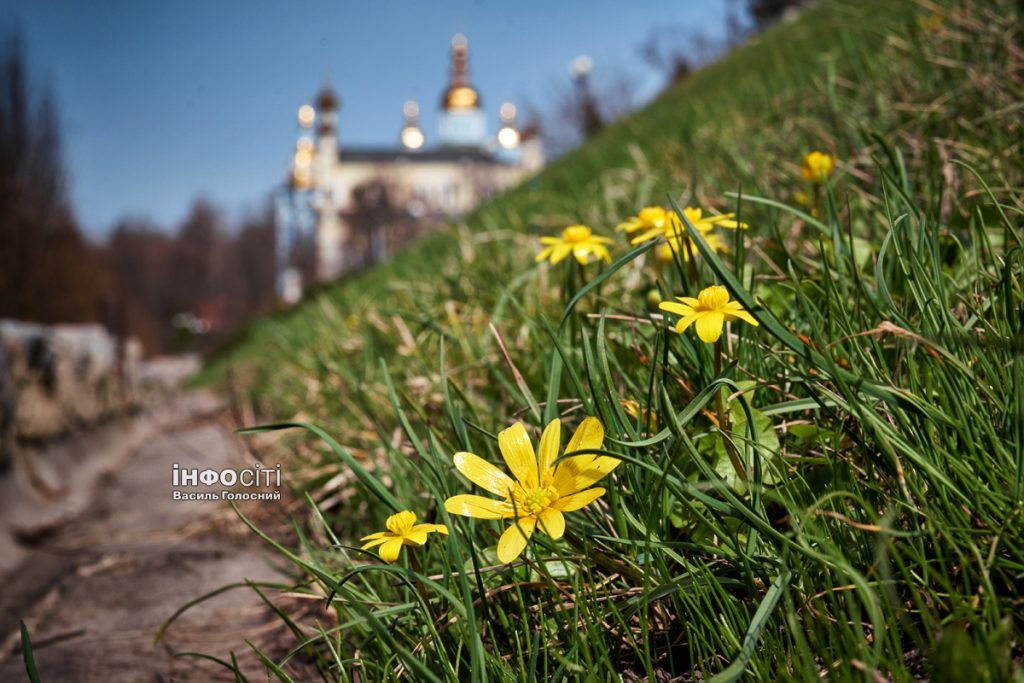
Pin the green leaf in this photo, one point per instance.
(597, 281)
(757, 624)
(765, 437)
(26, 653)
(889, 394)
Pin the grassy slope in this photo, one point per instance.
(889, 527)
(652, 153)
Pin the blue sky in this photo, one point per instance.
(164, 101)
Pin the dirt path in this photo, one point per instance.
(94, 584)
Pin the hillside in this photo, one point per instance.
(848, 506)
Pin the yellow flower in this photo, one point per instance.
(632, 408)
(650, 218)
(933, 22)
(663, 252)
(577, 240)
(672, 228)
(541, 491)
(710, 310)
(402, 530)
(817, 166)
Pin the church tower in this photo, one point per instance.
(462, 122)
(330, 233)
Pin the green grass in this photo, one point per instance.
(880, 532)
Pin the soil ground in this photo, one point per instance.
(95, 574)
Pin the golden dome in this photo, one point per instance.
(460, 95)
(461, 98)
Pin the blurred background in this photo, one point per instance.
(171, 172)
(151, 162)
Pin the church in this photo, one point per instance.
(345, 208)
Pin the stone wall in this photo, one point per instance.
(59, 378)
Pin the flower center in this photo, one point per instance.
(576, 233)
(400, 523)
(712, 298)
(535, 500)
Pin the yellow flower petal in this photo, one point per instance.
(647, 236)
(478, 506)
(578, 500)
(432, 528)
(676, 308)
(379, 534)
(663, 253)
(377, 541)
(415, 537)
(517, 450)
(709, 326)
(544, 254)
(577, 473)
(734, 310)
(552, 523)
(587, 437)
(514, 540)
(730, 224)
(390, 549)
(686, 321)
(560, 252)
(550, 442)
(483, 474)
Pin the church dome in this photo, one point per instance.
(460, 98)
(460, 95)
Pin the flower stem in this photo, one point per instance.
(723, 418)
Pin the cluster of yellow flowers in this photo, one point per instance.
(534, 497)
(543, 487)
(657, 223)
(652, 223)
(542, 490)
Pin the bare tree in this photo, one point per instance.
(767, 12)
(578, 110)
(48, 271)
(139, 256)
(216, 278)
(676, 51)
(254, 252)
